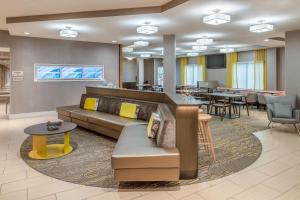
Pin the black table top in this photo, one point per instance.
(41, 129)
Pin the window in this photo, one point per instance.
(160, 75)
(193, 73)
(248, 75)
(46, 72)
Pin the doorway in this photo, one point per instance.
(5, 80)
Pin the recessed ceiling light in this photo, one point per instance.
(141, 43)
(226, 50)
(127, 49)
(27, 33)
(205, 41)
(147, 29)
(68, 32)
(217, 18)
(192, 54)
(130, 58)
(114, 41)
(261, 27)
(200, 48)
(145, 55)
(266, 40)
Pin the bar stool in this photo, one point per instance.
(204, 133)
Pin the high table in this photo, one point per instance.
(228, 96)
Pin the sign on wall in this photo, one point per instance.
(51, 72)
(17, 76)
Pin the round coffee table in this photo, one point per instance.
(40, 149)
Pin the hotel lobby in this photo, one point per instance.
(140, 100)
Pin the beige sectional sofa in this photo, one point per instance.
(135, 157)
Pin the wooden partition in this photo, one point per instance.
(185, 112)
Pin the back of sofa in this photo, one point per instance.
(166, 138)
(112, 105)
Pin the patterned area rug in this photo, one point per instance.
(89, 164)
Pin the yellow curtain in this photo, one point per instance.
(201, 62)
(260, 56)
(183, 64)
(231, 60)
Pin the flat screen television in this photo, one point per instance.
(216, 61)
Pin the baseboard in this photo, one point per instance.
(33, 114)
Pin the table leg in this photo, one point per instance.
(39, 146)
(230, 105)
(67, 146)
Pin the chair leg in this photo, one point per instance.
(297, 128)
(247, 107)
(223, 112)
(269, 124)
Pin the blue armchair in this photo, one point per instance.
(282, 109)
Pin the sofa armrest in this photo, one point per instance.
(269, 112)
(297, 115)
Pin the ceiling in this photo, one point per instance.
(184, 20)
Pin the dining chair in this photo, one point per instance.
(261, 101)
(219, 106)
(241, 102)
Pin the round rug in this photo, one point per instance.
(90, 164)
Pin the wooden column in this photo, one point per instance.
(187, 140)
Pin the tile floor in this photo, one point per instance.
(275, 175)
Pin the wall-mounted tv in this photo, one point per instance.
(216, 61)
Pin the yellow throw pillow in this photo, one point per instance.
(91, 104)
(153, 125)
(150, 123)
(129, 110)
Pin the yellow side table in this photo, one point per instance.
(40, 149)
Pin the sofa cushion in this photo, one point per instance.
(166, 136)
(66, 110)
(145, 108)
(114, 105)
(129, 110)
(153, 125)
(103, 105)
(84, 96)
(112, 121)
(282, 110)
(82, 114)
(284, 120)
(135, 150)
(91, 103)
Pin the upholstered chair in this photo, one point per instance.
(282, 109)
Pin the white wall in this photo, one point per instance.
(217, 75)
(292, 62)
(271, 69)
(129, 70)
(158, 62)
(28, 96)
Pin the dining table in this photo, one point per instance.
(230, 96)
